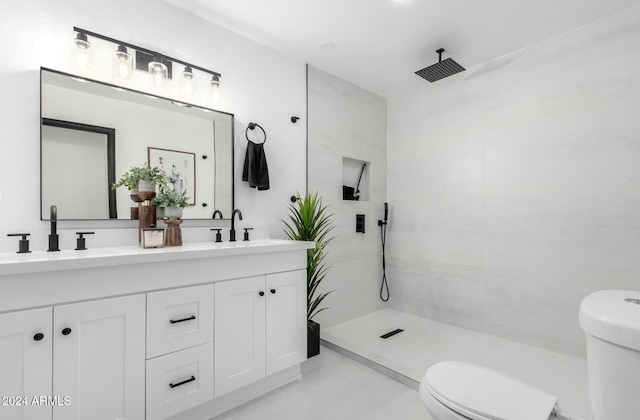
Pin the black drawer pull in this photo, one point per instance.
(273, 291)
(191, 379)
(66, 331)
(175, 321)
(261, 293)
(38, 336)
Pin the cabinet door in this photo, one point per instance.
(99, 359)
(25, 364)
(178, 319)
(286, 344)
(239, 333)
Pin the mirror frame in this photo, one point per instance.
(112, 202)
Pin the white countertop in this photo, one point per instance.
(40, 261)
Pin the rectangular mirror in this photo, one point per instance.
(92, 132)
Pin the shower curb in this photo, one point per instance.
(390, 373)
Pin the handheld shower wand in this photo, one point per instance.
(383, 235)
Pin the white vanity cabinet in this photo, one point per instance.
(260, 328)
(182, 333)
(91, 352)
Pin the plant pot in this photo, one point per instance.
(313, 339)
(146, 190)
(173, 212)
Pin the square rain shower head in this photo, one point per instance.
(440, 70)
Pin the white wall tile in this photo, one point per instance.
(515, 186)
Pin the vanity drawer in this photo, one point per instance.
(178, 319)
(179, 381)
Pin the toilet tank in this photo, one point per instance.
(611, 320)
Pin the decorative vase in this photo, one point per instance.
(146, 190)
(313, 339)
(173, 212)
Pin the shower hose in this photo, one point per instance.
(384, 287)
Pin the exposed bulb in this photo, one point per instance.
(188, 83)
(157, 73)
(122, 64)
(82, 55)
(216, 94)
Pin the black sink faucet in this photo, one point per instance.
(53, 236)
(216, 212)
(232, 232)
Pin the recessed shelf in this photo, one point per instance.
(351, 170)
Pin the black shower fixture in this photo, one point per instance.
(441, 69)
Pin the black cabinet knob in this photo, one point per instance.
(273, 291)
(66, 331)
(38, 337)
(261, 293)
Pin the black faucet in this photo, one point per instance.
(232, 232)
(53, 236)
(217, 212)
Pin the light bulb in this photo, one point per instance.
(216, 94)
(187, 83)
(122, 64)
(82, 55)
(158, 73)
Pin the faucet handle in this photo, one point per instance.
(218, 234)
(81, 241)
(246, 233)
(23, 244)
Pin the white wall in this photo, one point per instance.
(259, 85)
(515, 186)
(346, 121)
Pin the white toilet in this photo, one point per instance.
(611, 320)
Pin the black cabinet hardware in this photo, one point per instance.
(273, 291)
(186, 381)
(66, 331)
(261, 293)
(38, 337)
(175, 321)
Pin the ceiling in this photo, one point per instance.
(379, 44)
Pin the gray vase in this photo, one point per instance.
(144, 186)
(173, 212)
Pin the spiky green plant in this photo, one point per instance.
(309, 221)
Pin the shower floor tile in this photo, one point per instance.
(424, 342)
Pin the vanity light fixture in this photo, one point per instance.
(122, 64)
(159, 66)
(82, 54)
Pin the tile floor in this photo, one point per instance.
(334, 387)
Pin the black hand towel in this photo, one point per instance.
(255, 170)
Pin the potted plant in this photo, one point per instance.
(309, 221)
(171, 201)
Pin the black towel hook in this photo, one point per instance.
(252, 126)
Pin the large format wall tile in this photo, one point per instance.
(515, 186)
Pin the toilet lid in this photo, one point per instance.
(481, 393)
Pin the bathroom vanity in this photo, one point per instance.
(184, 332)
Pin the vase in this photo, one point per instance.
(173, 212)
(146, 190)
(313, 339)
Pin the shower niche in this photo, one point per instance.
(356, 180)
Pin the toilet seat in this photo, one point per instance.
(479, 393)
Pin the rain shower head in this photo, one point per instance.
(441, 69)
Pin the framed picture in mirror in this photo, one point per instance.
(178, 166)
